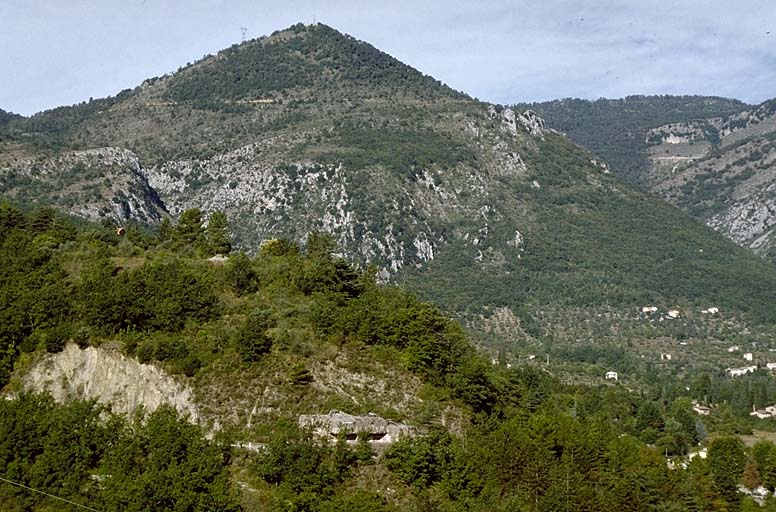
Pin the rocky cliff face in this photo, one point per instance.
(95, 184)
(110, 378)
(378, 217)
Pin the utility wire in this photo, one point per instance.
(49, 495)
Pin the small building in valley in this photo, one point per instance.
(737, 372)
(699, 408)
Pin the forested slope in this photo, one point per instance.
(492, 436)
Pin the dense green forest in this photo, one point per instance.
(525, 441)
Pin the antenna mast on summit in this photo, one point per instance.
(244, 32)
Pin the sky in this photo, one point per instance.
(60, 52)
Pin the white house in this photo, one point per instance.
(770, 366)
(673, 313)
(748, 356)
(734, 348)
(710, 311)
(611, 375)
(665, 357)
(648, 309)
(737, 372)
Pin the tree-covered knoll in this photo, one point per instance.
(616, 130)
(52, 127)
(6, 117)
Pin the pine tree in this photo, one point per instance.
(218, 234)
(165, 230)
(189, 230)
(751, 477)
(11, 217)
(726, 460)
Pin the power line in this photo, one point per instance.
(49, 495)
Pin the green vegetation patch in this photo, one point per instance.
(401, 150)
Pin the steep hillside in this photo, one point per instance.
(292, 380)
(103, 183)
(709, 156)
(616, 129)
(501, 220)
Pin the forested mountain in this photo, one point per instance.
(522, 234)
(712, 157)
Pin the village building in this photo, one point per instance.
(700, 409)
(370, 426)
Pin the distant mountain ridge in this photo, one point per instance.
(710, 156)
(616, 129)
(482, 208)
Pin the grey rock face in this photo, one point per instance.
(111, 378)
(376, 429)
(95, 184)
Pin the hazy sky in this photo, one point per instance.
(57, 52)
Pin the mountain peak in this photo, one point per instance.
(302, 61)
